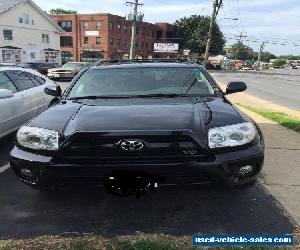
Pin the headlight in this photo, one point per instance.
(232, 135)
(38, 138)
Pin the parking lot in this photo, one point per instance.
(182, 210)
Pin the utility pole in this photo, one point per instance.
(136, 4)
(261, 49)
(216, 7)
(237, 47)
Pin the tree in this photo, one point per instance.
(289, 57)
(265, 56)
(278, 63)
(194, 31)
(241, 51)
(59, 11)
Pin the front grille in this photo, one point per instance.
(91, 148)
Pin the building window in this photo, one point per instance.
(85, 25)
(111, 41)
(45, 38)
(137, 30)
(111, 25)
(66, 25)
(24, 18)
(125, 28)
(66, 41)
(8, 35)
(98, 40)
(66, 56)
(119, 42)
(11, 55)
(51, 56)
(98, 25)
(119, 26)
(85, 40)
(91, 56)
(124, 43)
(143, 44)
(147, 45)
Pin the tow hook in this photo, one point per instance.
(127, 183)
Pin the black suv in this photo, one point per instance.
(132, 126)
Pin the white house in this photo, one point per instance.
(27, 33)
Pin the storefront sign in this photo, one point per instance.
(166, 47)
(92, 33)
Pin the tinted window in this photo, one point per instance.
(21, 79)
(73, 65)
(37, 80)
(142, 81)
(6, 83)
(66, 41)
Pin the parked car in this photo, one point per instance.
(9, 65)
(68, 71)
(22, 97)
(134, 126)
(40, 67)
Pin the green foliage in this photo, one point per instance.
(241, 51)
(279, 117)
(279, 63)
(59, 11)
(194, 30)
(289, 57)
(145, 245)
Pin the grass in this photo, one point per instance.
(279, 117)
(131, 242)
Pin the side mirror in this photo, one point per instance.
(6, 93)
(235, 87)
(53, 92)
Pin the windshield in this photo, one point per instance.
(73, 65)
(142, 81)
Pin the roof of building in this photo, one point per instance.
(6, 5)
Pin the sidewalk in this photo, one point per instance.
(281, 172)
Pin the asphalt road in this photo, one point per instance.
(26, 213)
(278, 86)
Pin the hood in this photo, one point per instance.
(166, 114)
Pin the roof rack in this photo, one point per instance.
(147, 60)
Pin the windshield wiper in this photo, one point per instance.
(94, 97)
(170, 95)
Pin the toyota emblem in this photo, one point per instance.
(131, 145)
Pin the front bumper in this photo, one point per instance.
(224, 167)
(61, 76)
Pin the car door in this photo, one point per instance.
(11, 108)
(28, 92)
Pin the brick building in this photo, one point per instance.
(91, 37)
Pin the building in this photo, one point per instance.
(91, 37)
(27, 33)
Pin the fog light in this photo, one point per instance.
(245, 170)
(26, 172)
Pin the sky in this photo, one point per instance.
(276, 22)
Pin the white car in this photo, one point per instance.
(22, 97)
